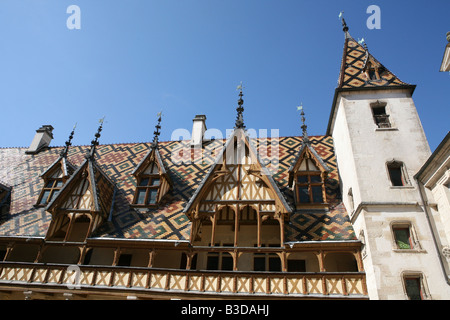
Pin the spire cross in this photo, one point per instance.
(65, 151)
(240, 108)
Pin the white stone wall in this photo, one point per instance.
(362, 151)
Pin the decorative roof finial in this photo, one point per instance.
(156, 132)
(240, 109)
(65, 151)
(94, 143)
(304, 126)
(344, 25)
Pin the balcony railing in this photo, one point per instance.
(186, 282)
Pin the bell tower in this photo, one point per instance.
(380, 144)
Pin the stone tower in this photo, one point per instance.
(380, 145)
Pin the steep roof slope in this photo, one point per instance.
(118, 161)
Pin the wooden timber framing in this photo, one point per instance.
(237, 180)
(148, 281)
(319, 248)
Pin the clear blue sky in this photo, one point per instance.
(130, 59)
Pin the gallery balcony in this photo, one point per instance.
(56, 281)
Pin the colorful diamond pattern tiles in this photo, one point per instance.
(352, 70)
(118, 161)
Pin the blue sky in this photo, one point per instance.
(131, 59)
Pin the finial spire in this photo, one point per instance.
(344, 25)
(156, 132)
(304, 126)
(94, 143)
(65, 151)
(240, 109)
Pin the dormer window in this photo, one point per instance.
(147, 187)
(50, 190)
(307, 177)
(54, 178)
(309, 185)
(373, 70)
(152, 180)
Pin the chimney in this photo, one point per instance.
(198, 130)
(41, 140)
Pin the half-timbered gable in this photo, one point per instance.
(85, 201)
(238, 185)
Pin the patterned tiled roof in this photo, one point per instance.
(354, 60)
(117, 161)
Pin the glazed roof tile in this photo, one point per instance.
(167, 222)
(352, 75)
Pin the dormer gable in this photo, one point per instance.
(152, 180)
(307, 173)
(56, 175)
(84, 202)
(237, 175)
(307, 176)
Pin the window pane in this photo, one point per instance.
(379, 111)
(227, 262)
(302, 179)
(212, 262)
(413, 289)
(49, 184)
(395, 174)
(140, 198)
(54, 194)
(316, 179)
(402, 238)
(274, 264)
(59, 184)
(45, 197)
(152, 196)
(296, 266)
(124, 260)
(317, 194)
(303, 194)
(155, 182)
(144, 182)
(259, 264)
